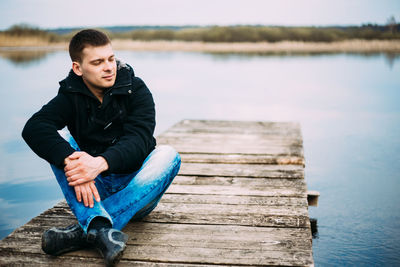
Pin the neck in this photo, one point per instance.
(98, 92)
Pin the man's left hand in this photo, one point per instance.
(81, 167)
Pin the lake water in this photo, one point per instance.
(347, 104)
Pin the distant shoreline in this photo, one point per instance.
(350, 46)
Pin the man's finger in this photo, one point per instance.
(78, 182)
(75, 155)
(70, 166)
(90, 195)
(72, 175)
(78, 193)
(75, 177)
(94, 191)
(84, 196)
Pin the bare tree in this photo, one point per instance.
(391, 23)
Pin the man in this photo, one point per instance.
(109, 169)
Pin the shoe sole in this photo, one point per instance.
(116, 257)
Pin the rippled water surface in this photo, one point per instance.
(348, 107)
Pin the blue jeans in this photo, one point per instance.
(125, 197)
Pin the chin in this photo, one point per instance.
(107, 85)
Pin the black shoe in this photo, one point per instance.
(56, 241)
(109, 242)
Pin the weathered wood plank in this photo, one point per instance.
(175, 242)
(249, 144)
(253, 219)
(17, 258)
(227, 241)
(189, 147)
(237, 124)
(292, 131)
(225, 199)
(33, 259)
(224, 236)
(234, 200)
(242, 158)
(174, 208)
(242, 170)
(253, 215)
(249, 140)
(235, 190)
(198, 126)
(239, 181)
(224, 142)
(233, 137)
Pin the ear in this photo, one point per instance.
(76, 67)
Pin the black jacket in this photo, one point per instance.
(120, 129)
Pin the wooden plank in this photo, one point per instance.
(225, 199)
(229, 139)
(232, 143)
(248, 140)
(195, 213)
(240, 127)
(212, 148)
(260, 182)
(168, 242)
(224, 217)
(33, 259)
(266, 187)
(189, 234)
(242, 158)
(228, 136)
(242, 170)
(206, 243)
(17, 258)
(229, 210)
(234, 200)
(246, 126)
(235, 190)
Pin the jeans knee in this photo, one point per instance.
(169, 152)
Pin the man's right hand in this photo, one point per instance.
(87, 191)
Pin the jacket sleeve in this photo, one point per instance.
(40, 131)
(133, 146)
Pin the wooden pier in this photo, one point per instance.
(240, 199)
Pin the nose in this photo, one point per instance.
(108, 66)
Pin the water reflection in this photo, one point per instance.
(24, 57)
(314, 227)
(27, 57)
(390, 58)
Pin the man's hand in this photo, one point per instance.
(87, 191)
(80, 167)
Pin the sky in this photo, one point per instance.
(49, 14)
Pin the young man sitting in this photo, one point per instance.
(108, 168)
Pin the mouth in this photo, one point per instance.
(108, 77)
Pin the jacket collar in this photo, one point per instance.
(74, 83)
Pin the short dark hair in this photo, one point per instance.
(88, 37)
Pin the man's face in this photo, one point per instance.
(98, 67)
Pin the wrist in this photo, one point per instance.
(103, 164)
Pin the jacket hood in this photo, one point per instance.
(74, 83)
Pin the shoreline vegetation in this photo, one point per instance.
(232, 39)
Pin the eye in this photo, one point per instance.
(111, 59)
